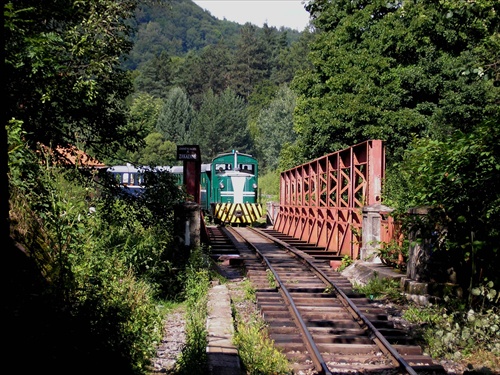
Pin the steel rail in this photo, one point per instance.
(317, 358)
(357, 315)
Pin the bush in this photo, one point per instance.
(99, 273)
(451, 330)
(454, 178)
(378, 288)
(193, 359)
(257, 350)
(269, 185)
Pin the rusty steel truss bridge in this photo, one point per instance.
(321, 201)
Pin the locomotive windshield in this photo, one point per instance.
(246, 168)
(223, 167)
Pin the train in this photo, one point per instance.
(228, 186)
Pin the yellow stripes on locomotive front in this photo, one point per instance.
(238, 213)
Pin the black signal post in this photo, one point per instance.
(190, 155)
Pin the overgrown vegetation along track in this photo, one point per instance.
(316, 319)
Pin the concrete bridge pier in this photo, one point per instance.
(372, 224)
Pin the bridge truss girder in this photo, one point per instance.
(321, 201)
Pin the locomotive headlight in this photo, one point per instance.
(254, 185)
(221, 185)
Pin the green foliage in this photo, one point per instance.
(204, 71)
(257, 351)
(63, 72)
(220, 125)
(120, 309)
(260, 98)
(193, 359)
(461, 335)
(21, 162)
(346, 262)
(275, 128)
(250, 292)
(269, 185)
(100, 271)
(143, 113)
(177, 27)
(290, 156)
(154, 149)
(293, 58)
(378, 287)
(454, 178)
(88, 292)
(175, 117)
(394, 254)
(271, 279)
(486, 295)
(452, 330)
(251, 63)
(157, 151)
(140, 228)
(155, 76)
(427, 315)
(391, 72)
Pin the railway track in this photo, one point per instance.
(312, 312)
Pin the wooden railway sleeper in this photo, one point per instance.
(357, 315)
(316, 356)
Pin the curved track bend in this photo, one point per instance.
(315, 317)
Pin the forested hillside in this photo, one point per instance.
(175, 28)
(206, 81)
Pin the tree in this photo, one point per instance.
(65, 278)
(63, 74)
(251, 64)
(292, 58)
(220, 125)
(208, 69)
(143, 113)
(394, 71)
(176, 27)
(215, 62)
(157, 151)
(175, 117)
(155, 76)
(458, 179)
(275, 128)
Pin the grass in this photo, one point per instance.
(378, 288)
(270, 279)
(193, 359)
(256, 349)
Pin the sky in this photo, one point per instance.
(288, 13)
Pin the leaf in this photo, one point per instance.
(491, 294)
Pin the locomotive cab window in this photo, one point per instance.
(246, 168)
(223, 167)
